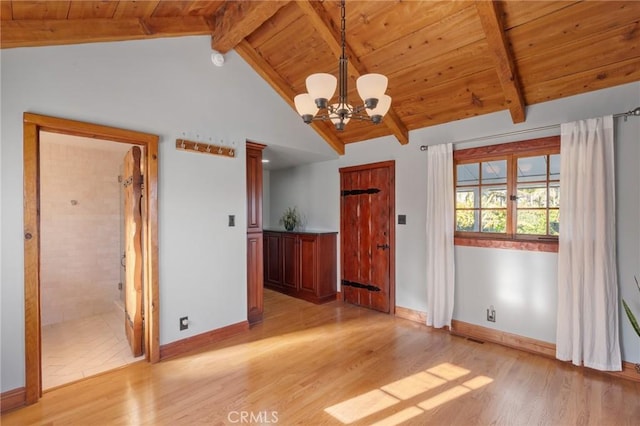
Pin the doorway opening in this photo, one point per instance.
(82, 268)
(40, 237)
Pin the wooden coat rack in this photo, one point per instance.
(205, 148)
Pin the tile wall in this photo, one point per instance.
(80, 230)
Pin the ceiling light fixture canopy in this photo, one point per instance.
(321, 87)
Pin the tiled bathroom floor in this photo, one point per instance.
(81, 348)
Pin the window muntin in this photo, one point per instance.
(509, 191)
(481, 196)
(538, 195)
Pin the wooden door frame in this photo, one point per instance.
(33, 124)
(391, 164)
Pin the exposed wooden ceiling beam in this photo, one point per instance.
(261, 66)
(323, 24)
(237, 19)
(29, 33)
(499, 50)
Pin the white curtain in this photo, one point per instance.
(587, 329)
(440, 211)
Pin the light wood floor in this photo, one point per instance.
(339, 364)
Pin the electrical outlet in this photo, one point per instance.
(184, 323)
(491, 314)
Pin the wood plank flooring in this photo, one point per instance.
(340, 364)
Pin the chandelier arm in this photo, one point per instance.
(321, 117)
(361, 117)
(359, 108)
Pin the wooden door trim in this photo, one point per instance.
(32, 125)
(391, 164)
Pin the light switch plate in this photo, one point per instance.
(402, 219)
(232, 220)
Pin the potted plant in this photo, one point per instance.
(632, 319)
(291, 219)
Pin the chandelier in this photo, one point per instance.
(321, 87)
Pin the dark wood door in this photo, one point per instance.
(368, 237)
(133, 321)
(290, 261)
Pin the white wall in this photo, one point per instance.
(313, 189)
(521, 285)
(165, 87)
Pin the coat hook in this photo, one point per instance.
(208, 148)
(195, 147)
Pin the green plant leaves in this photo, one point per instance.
(632, 318)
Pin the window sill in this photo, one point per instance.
(528, 245)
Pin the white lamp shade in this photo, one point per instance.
(321, 86)
(371, 86)
(305, 105)
(335, 118)
(384, 103)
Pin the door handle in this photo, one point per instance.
(383, 246)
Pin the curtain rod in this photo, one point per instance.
(631, 113)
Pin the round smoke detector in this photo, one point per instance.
(217, 59)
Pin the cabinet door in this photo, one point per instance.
(272, 262)
(308, 263)
(254, 188)
(289, 244)
(254, 277)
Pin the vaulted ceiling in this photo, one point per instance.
(445, 60)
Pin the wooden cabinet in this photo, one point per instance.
(255, 244)
(301, 264)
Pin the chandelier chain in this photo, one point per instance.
(343, 59)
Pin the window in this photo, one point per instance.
(509, 192)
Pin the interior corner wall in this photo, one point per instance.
(521, 285)
(166, 87)
(266, 198)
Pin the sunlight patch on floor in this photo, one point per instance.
(361, 406)
(412, 386)
(399, 417)
(448, 371)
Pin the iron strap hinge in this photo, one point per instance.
(359, 285)
(359, 191)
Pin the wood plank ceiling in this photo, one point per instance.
(445, 60)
